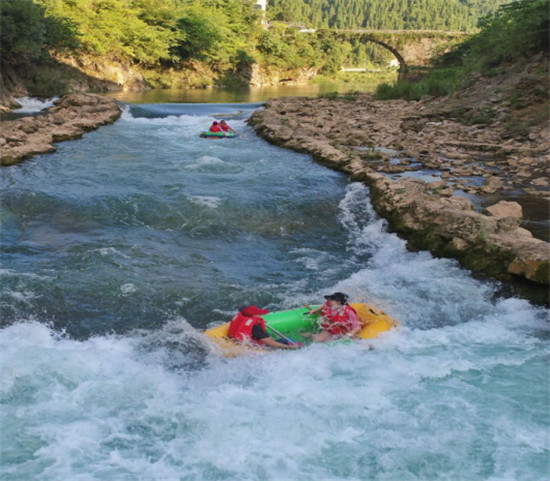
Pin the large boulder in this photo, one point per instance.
(491, 243)
(508, 214)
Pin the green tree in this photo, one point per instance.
(27, 33)
(113, 28)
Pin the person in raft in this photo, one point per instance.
(215, 127)
(248, 326)
(338, 319)
(225, 127)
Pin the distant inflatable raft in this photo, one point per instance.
(219, 135)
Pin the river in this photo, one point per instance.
(255, 94)
(120, 247)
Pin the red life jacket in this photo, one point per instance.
(225, 128)
(215, 128)
(336, 322)
(241, 328)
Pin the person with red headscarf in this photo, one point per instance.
(337, 320)
(249, 327)
(215, 127)
(225, 127)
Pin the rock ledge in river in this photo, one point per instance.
(494, 244)
(72, 116)
(427, 214)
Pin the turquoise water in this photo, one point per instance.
(119, 248)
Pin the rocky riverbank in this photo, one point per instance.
(430, 163)
(70, 118)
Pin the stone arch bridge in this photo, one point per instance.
(411, 48)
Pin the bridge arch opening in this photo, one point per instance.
(368, 37)
(425, 43)
(403, 67)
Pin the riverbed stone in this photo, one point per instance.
(491, 185)
(504, 209)
(540, 182)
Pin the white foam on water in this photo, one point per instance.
(168, 120)
(197, 123)
(211, 202)
(29, 275)
(20, 295)
(224, 314)
(173, 128)
(321, 264)
(205, 162)
(31, 104)
(414, 287)
(128, 288)
(311, 259)
(110, 251)
(417, 288)
(238, 124)
(436, 404)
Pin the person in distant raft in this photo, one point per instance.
(337, 320)
(225, 127)
(215, 127)
(248, 326)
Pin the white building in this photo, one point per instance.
(260, 5)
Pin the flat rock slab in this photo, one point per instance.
(429, 216)
(71, 116)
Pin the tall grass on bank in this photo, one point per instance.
(517, 30)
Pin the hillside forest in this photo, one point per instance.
(202, 42)
(515, 35)
(460, 15)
